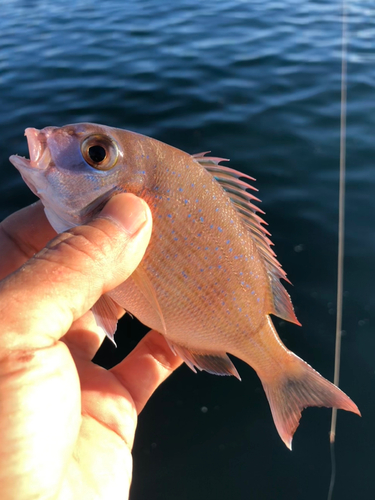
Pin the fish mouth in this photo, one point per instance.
(33, 170)
(40, 156)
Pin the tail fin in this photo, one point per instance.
(301, 386)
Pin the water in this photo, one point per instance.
(258, 82)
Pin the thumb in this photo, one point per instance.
(62, 282)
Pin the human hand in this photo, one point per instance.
(67, 425)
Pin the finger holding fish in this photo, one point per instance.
(65, 275)
(22, 235)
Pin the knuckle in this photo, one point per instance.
(84, 246)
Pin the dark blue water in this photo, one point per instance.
(259, 82)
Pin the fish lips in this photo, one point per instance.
(40, 158)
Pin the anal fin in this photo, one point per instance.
(106, 312)
(216, 363)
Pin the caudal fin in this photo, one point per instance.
(297, 388)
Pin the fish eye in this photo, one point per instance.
(99, 151)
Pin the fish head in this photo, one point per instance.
(75, 169)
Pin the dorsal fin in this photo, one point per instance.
(242, 200)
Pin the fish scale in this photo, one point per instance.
(203, 280)
(209, 279)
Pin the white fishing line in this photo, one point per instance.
(341, 228)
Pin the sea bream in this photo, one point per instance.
(209, 279)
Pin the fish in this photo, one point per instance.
(209, 279)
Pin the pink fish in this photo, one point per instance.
(209, 279)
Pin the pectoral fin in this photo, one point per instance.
(144, 284)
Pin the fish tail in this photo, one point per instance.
(294, 385)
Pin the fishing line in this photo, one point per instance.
(340, 260)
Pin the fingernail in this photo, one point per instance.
(127, 211)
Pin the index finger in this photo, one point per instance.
(22, 235)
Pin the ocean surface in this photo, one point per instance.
(257, 82)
